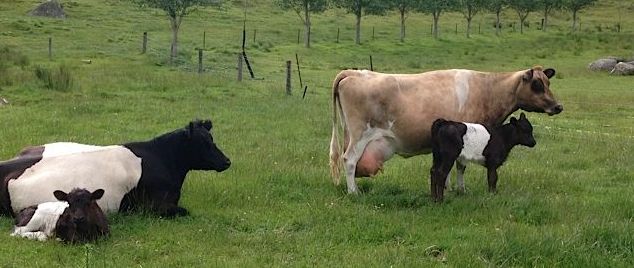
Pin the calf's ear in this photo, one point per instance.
(97, 194)
(190, 130)
(522, 116)
(513, 120)
(60, 195)
(550, 72)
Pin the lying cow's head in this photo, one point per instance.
(204, 154)
(534, 94)
(81, 203)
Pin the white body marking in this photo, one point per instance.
(475, 140)
(63, 148)
(42, 224)
(461, 81)
(113, 168)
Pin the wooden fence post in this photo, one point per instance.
(372, 32)
(298, 32)
(200, 60)
(255, 31)
(456, 28)
(337, 34)
(299, 72)
(239, 67)
(288, 77)
(204, 39)
(50, 48)
(371, 65)
(144, 48)
(479, 28)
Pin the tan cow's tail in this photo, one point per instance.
(336, 161)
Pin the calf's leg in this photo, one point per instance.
(460, 168)
(492, 176)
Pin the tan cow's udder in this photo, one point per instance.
(371, 162)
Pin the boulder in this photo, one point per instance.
(623, 68)
(50, 8)
(603, 64)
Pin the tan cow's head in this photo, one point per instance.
(534, 93)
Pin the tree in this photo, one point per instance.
(547, 6)
(496, 6)
(304, 7)
(435, 8)
(574, 6)
(359, 8)
(469, 8)
(403, 7)
(523, 8)
(176, 10)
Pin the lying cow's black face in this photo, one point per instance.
(206, 155)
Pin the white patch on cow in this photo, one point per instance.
(114, 168)
(42, 224)
(364, 73)
(62, 148)
(475, 140)
(461, 82)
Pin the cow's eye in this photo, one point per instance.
(537, 86)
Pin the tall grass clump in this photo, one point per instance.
(60, 79)
(10, 58)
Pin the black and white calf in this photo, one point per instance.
(76, 217)
(140, 175)
(464, 142)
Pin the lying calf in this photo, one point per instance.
(75, 218)
(465, 142)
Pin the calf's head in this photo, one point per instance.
(81, 203)
(534, 93)
(523, 131)
(204, 154)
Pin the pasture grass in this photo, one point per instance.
(566, 202)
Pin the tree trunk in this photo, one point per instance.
(574, 20)
(306, 25)
(436, 16)
(545, 19)
(469, 27)
(497, 23)
(357, 36)
(402, 25)
(175, 25)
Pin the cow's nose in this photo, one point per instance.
(228, 162)
(79, 219)
(558, 109)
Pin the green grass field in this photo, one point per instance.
(567, 202)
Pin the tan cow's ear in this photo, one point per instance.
(550, 72)
(528, 75)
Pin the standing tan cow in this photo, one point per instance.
(383, 114)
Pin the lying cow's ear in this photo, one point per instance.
(190, 130)
(528, 75)
(207, 124)
(97, 194)
(522, 116)
(550, 72)
(61, 196)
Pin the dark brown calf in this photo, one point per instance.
(76, 218)
(464, 142)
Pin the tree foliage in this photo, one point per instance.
(303, 8)
(574, 6)
(496, 6)
(523, 8)
(176, 10)
(435, 8)
(360, 8)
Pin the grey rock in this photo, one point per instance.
(623, 68)
(50, 8)
(603, 65)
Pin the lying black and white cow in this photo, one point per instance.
(139, 175)
(464, 142)
(76, 217)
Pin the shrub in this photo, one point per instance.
(60, 79)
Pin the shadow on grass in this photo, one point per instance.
(391, 196)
